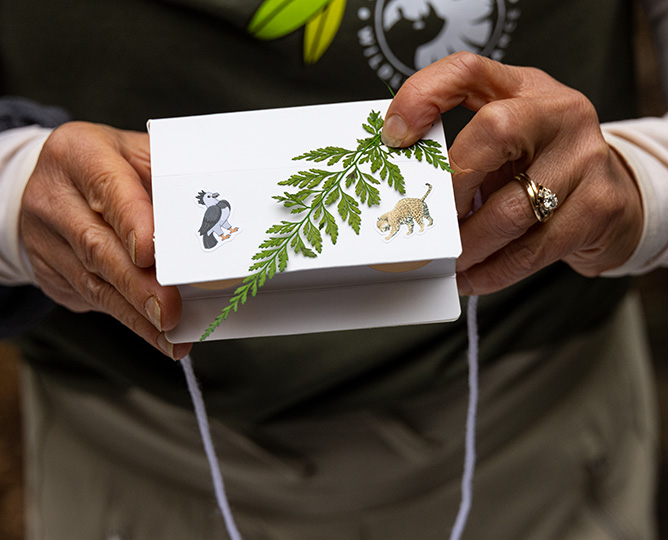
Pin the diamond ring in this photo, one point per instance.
(543, 201)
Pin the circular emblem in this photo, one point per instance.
(403, 36)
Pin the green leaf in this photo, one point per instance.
(283, 259)
(262, 278)
(349, 211)
(321, 29)
(332, 197)
(263, 254)
(331, 228)
(271, 268)
(375, 120)
(333, 153)
(277, 18)
(361, 191)
(273, 241)
(418, 154)
(242, 294)
(298, 246)
(371, 179)
(257, 266)
(350, 179)
(393, 176)
(313, 236)
(285, 227)
(355, 221)
(366, 191)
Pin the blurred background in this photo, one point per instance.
(653, 287)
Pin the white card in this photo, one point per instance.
(233, 162)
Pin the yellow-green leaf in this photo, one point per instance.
(321, 29)
(277, 18)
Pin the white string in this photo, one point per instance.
(470, 452)
(205, 432)
(470, 455)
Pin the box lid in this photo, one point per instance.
(215, 183)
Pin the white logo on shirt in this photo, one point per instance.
(402, 36)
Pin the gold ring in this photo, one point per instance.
(543, 201)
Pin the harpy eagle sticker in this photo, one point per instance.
(215, 228)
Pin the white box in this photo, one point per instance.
(241, 158)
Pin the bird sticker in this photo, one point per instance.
(215, 227)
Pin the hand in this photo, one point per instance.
(87, 225)
(524, 121)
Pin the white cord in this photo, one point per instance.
(205, 432)
(470, 456)
(470, 452)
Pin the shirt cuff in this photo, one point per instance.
(648, 162)
(19, 151)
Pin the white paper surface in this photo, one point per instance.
(241, 157)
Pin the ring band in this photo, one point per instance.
(543, 201)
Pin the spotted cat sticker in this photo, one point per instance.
(408, 211)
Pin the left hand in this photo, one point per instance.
(525, 121)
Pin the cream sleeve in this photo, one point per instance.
(643, 144)
(19, 150)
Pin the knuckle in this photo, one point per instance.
(126, 282)
(575, 109)
(525, 260)
(582, 107)
(66, 139)
(136, 322)
(466, 62)
(596, 158)
(91, 246)
(510, 218)
(103, 189)
(502, 125)
(95, 290)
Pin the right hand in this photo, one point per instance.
(525, 121)
(87, 226)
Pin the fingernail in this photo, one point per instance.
(165, 346)
(394, 131)
(152, 308)
(463, 285)
(131, 246)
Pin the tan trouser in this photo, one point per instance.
(563, 453)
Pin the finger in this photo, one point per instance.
(97, 246)
(102, 254)
(69, 283)
(462, 78)
(504, 217)
(542, 245)
(595, 228)
(112, 173)
(501, 139)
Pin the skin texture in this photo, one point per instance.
(87, 225)
(524, 121)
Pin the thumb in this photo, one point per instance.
(404, 125)
(461, 78)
